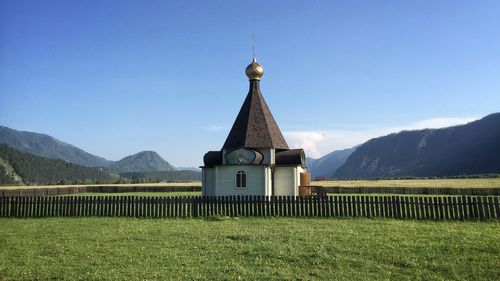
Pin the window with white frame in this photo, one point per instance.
(241, 179)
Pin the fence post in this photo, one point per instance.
(480, 208)
(492, 208)
(453, 202)
(487, 214)
(349, 206)
(332, 206)
(339, 205)
(418, 207)
(460, 207)
(470, 211)
(167, 206)
(440, 208)
(22, 206)
(376, 205)
(497, 208)
(194, 206)
(409, 207)
(382, 204)
(474, 208)
(435, 208)
(161, 206)
(248, 205)
(328, 210)
(315, 206)
(448, 208)
(387, 206)
(14, 206)
(358, 206)
(44, 206)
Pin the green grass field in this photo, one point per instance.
(247, 249)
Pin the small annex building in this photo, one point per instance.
(255, 158)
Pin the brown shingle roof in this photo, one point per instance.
(254, 126)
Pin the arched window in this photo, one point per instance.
(241, 179)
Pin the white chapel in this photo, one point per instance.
(255, 159)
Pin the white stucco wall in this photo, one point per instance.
(225, 183)
(285, 181)
(208, 181)
(221, 180)
(269, 184)
(299, 171)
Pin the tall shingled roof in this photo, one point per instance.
(255, 126)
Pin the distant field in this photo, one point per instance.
(453, 183)
(144, 194)
(124, 185)
(198, 193)
(457, 183)
(247, 249)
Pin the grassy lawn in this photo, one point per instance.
(457, 183)
(248, 249)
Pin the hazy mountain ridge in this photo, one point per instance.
(473, 148)
(19, 167)
(144, 161)
(48, 147)
(327, 165)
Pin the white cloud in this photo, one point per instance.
(317, 143)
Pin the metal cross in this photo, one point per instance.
(253, 44)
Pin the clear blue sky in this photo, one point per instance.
(118, 77)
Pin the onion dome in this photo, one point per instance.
(254, 70)
(254, 127)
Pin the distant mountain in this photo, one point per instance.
(18, 167)
(327, 165)
(145, 161)
(49, 147)
(473, 148)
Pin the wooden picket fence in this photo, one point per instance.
(398, 207)
(53, 191)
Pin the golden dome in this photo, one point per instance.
(254, 70)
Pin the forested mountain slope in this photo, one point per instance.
(18, 167)
(473, 148)
(49, 147)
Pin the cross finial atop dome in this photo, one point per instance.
(254, 70)
(253, 45)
